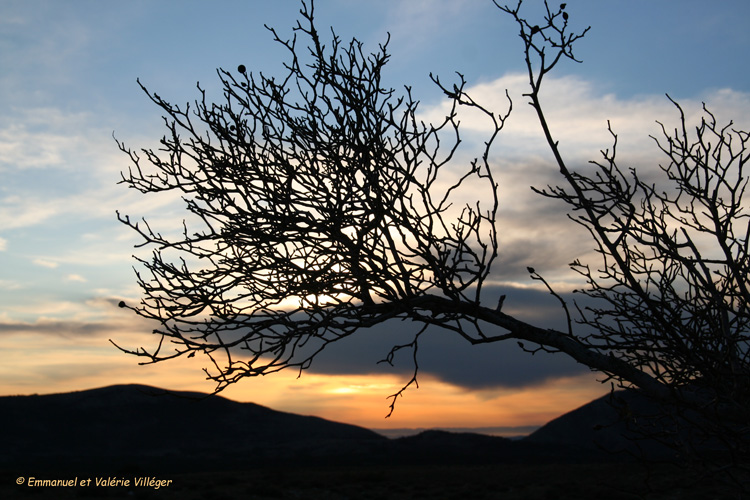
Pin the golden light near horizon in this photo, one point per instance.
(362, 400)
(355, 399)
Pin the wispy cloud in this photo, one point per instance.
(534, 231)
(85, 323)
(31, 140)
(9, 285)
(46, 263)
(418, 22)
(578, 111)
(47, 326)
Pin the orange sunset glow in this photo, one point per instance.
(356, 399)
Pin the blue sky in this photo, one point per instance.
(68, 74)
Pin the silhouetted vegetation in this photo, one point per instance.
(324, 207)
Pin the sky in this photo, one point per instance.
(68, 86)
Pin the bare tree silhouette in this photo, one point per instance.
(323, 202)
(325, 207)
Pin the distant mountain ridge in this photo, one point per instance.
(511, 432)
(133, 423)
(136, 425)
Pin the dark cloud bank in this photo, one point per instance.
(442, 354)
(448, 357)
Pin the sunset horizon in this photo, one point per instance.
(69, 85)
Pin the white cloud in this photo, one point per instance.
(46, 310)
(9, 285)
(40, 137)
(18, 211)
(3, 244)
(71, 186)
(76, 277)
(577, 113)
(45, 263)
(54, 164)
(534, 231)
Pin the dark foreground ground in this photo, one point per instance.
(461, 482)
(140, 442)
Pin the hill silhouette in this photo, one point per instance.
(212, 447)
(135, 425)
(129, 424)
(601, 427)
